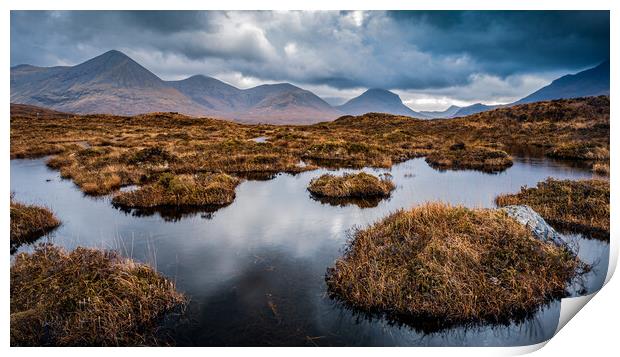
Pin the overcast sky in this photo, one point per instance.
(431, 59)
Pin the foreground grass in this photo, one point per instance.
(86, 297)
(582, 206)
(102, 153)
(29, 223)
(449, 264)
(181, 190)
(360, 185)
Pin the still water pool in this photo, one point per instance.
(254, 270)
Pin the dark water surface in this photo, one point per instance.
(254, 270)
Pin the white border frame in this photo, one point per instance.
(590, 331)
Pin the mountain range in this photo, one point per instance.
(587, 83)
(116, 84)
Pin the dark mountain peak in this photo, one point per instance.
(590, 82)
(258, 93)
(473, 109)
(199, 78)
(112, 57)
(20, 67)
(276, 87)
(601, 71)
(377, 96)
(604, 64)
(202, 81)
(379, 101)
(116, 69)
(447, 113)
(114, 54)
(381, 94)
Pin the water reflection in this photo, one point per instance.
(254, 270)
(171, 213)
(362, 202)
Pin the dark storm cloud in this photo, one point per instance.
(455, 53)
(510, 41)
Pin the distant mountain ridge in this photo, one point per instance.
(110, 83)
(378, 100)
(441, 113)
(588, 83)
(116, 84)
(473, 109)
(591, 82)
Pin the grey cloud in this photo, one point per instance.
(505, 42)
(434, 51)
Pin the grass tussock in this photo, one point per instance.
(581, 206)
(360, 185)
(181, 190)
(580, 151)
(152, 155)
(449, 264)
(29, 222)
(460, 156)
(347, 154)
(601, 168)
(86, 297)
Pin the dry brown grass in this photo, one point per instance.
(101, 153)
(601, 168)
(581, 206)
(181, 190)
(86, 297)
(29, 222)
(348, 154)
(360, 185)
(580, 151)
(449, 264)
(460, 156)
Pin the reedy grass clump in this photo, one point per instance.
(360, 185)
(152, 155)
(580, 151)
(449, 264)
(601, 168)
(462, 156)
(86, 297)
(29, 223)
(581, 205)
(216, 189)
(348, 154)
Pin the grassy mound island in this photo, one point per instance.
(581, 206)
(29, 222)
(360, 185)
(86, 297)
(461, 156)
(181, 190)
(102, 153)
(449, 265)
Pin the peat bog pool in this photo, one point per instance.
(254, 270)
